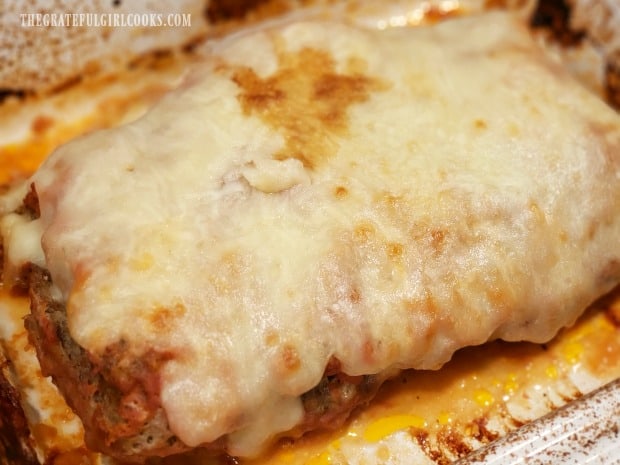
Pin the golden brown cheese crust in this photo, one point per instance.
(281, 100)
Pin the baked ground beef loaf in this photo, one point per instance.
(118, 396)
(185, 302)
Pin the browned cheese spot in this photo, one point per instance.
(369, 351)
(271, 338)
(395, 250)
(306, 100)
(394, 205)
(364, 232)
(340, 192)
(228, 271)
(480, 124)
(163, 318)
(438, 239)
(41, 124)
(290, 358)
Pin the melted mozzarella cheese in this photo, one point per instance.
(381, 197)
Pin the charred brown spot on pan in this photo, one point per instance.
(422, 438)
(16, 445)
(481, 432)
(554, 16)
(224, 10)
(306, 101)
(454, 442)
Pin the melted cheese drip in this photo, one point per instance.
(383, 197)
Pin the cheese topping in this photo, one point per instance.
(381, 197)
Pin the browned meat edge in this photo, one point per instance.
(117, 399)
